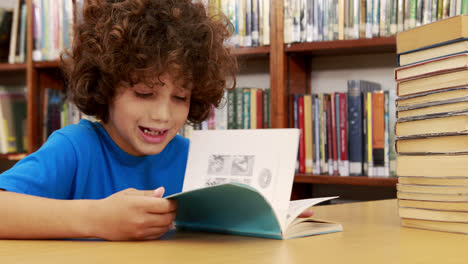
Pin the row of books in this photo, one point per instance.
(12, 119)
(326, 20)
(242, 108)
(432, 130)
(13, 32)
(59, 112)
(250, 18)
(52, 27)
(346, 133)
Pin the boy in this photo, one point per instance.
(142, 67)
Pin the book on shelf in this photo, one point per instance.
(378, 134)
(454, 227)
(438, 181)
(432, 67)
(240, 189)
(6, 19)
(13, 118)
(15, 29)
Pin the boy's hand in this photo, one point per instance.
(306, 213)
(133, 215)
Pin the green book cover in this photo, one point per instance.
(233, 185)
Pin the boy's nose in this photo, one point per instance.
(161, 112)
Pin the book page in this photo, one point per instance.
(263, 159)
(298, 206)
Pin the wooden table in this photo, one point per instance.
(372, 234)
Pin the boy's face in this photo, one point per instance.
(142, 119)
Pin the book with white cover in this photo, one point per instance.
(240, 182)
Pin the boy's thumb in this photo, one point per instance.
(159, 192)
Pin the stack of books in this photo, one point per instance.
(432, 126)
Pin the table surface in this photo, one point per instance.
(372, 234)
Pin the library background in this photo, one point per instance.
(324, 66)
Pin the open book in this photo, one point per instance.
(240, 182)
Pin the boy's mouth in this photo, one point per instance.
(152, 132)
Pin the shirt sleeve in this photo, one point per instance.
(48, 172)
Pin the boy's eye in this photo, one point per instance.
(143, 95)
(181, 98)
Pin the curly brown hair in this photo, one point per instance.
(130, 41)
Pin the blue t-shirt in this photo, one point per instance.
(82, 162)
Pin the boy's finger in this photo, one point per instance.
(160, 206)
(159, 192)
(307, 213)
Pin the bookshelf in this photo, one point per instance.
(289, 70)
(6, 67)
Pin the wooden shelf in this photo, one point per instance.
(12, 156)
(252, 51)
(350, 180)
(46, 64)
(7, 67)
(345, 47)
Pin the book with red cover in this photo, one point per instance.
(344, 161)
(300, 117)
(259, 108)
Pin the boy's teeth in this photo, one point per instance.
(153, 133)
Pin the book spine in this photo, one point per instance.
(300, 107)
(308, 133)
(343, 108)
(266, 22)
(316, 116)
(239, 101)
(323, 134)
(259, 108)
(464, 7)
(231, 109)
(329, 135)
(378, 132)
(303, 20)
(370, 132)
(240, 11)
(255, 26)
(266, 108)
(369, 17)
(386, 136)
(246, 114)
(376, 18)
(295, 103)
(332, 127)
(248, 23)
(253, 108)
(355, 128)
(326, 21)
(400, 15)
(338, 136)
